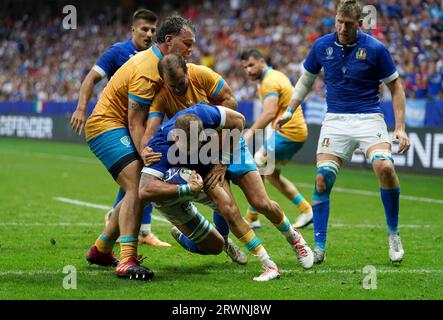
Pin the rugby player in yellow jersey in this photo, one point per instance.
(186, 85)
(114, 133)
(275, 92)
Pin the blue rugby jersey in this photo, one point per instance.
(114, 57)
(212, 117)
(352, 73)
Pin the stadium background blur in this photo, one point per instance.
(42, 61)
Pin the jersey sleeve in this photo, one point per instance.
(312, 63)
(209, 80)
(106, 64)
(213, 117)
(142, 89)
(157, 106)
(158, 169)
(387, 71)
(269, 88)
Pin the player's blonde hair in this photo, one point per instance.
(349, 7)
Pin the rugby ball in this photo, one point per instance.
(177, 175)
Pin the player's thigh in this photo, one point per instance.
(224, 201)
(336, 139)
(116, 151)
(372, 133)
(253, 188)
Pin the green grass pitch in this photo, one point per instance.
(40, 235)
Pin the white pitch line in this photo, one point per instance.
(81, 224)
(305, 185)
(397, 270)
(54, 156)
(335, 225)
(376, 194)
(97, 206)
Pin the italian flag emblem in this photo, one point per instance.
(361, 53)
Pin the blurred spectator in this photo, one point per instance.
(40, 60)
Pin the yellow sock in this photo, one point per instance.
(251, 214)
(104, 245)
(251, 242)
(302, 205)
(128, 248)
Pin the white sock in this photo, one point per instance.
(145, 230)
(264, 258)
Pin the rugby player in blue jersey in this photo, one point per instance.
(144, 26)
(354, 65)
(191, 131)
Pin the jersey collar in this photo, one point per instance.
(156, 51)
(133, 45)
(263, 75)
(359, 37)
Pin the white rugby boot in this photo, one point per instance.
(303, 220)
(396, 251)
(270, 273)
(235, 252)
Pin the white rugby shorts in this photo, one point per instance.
(341, 134)
(179, 211)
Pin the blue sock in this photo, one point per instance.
(188, 244)
(147, 214)
(321, 216)
(391, 202)
(220, 224)
(120, 195)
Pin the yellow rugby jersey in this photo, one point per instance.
(276, 83)
(137, 79)
(204, 86)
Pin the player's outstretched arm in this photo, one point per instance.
(152, 189)
(399, 103)
(270, 109)
(78, 119)
(148, 156)
(301, 90)
(137, 113)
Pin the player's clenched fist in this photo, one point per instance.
(195, 183)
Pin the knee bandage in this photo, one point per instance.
(201, 230)
(327, 169)
(381, 154)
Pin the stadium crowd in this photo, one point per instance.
(41, 60)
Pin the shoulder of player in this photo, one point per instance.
(273, 78)
(325, 40)
(198, 69)
(145, 64)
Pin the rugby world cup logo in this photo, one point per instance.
(329, 52)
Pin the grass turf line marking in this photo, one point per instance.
(85, 224)
(97, 206)
(305, 185)
(396, 270)
(54, 156)
(376, 194)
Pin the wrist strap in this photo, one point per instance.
(184, 190)
(289, 109)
